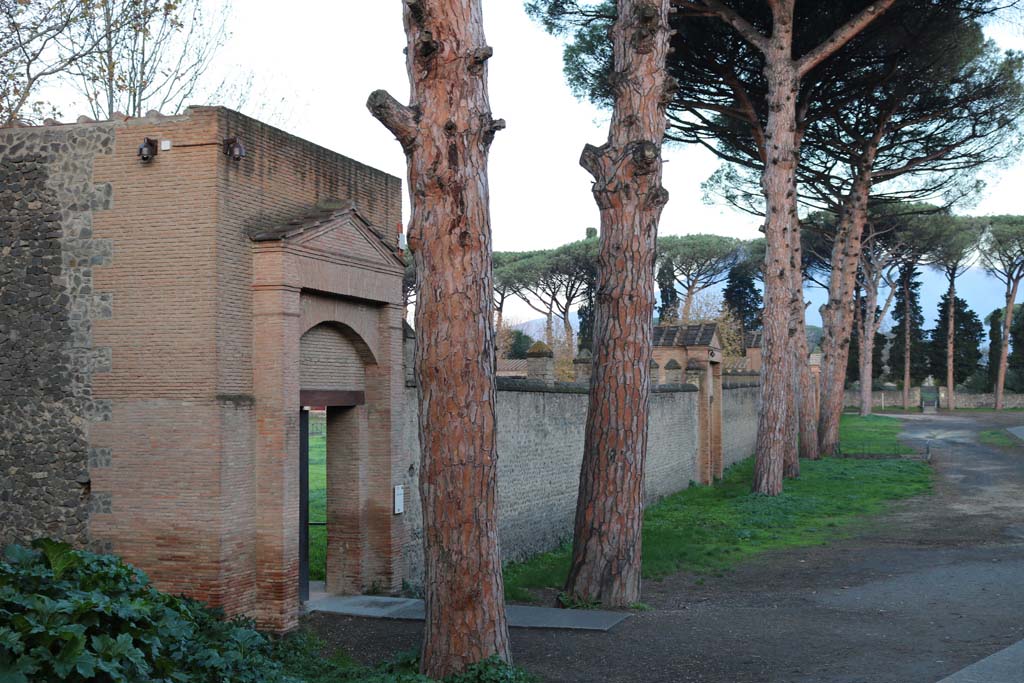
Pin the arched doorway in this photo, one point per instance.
(334, 450)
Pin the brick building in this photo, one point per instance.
(179, 312)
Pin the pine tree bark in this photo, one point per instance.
(808, 406)
(907, 312)
(775, 434)
(950, 348)
(627, 173)
(838, 315)
(1004, 351)
(446, 134)
(687, 306)
(869, 323)
(804, 417)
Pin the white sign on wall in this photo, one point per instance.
(399, 499)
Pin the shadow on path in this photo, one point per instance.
(916, 595)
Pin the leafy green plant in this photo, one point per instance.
(70, 615)
(570, 601)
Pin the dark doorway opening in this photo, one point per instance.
(303, 504)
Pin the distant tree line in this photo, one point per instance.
(900, 238)
(558, 283)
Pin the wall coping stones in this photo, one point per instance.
(519, 384)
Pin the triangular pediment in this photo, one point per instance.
(341, 233)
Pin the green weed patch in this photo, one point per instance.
(709, 529)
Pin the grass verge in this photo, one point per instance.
(709, 529)
(871, 435)
(317, 507)
(999, 438)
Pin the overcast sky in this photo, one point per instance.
(316, 63)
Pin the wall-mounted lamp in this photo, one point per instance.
(234, 148)
(148, 149)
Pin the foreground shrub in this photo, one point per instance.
(70, 615)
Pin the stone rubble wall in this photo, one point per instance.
(965, 400)
(540, 450)
(47, 308)
(887, 398)
(894, 398)
(740, 405)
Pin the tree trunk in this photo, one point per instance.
(804, 418)
(1004, 351)
(570, 345)
(808, 405)
(868, 326)
(907, 312)
(627, 173)
(687, 306)
(838, 315)
(867, 369)
(446, 133)
(775, 436)
(950, 348)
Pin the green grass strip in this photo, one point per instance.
(871, 435)
(999, 438)
(709, 529)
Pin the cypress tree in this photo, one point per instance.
(668, 310)
(908, 293)
(742, 297)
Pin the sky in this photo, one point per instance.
(315, 64)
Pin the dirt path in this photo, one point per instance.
(917, 594)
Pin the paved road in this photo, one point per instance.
(918, 595)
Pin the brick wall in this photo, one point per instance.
(330, 361)
(161, 446)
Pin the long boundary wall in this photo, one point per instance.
(540, 450)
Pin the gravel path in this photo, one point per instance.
(913, 597)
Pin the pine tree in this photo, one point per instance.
(995, 343)
(908, 295)
(742, 297)
(969, 334)
(853, 360)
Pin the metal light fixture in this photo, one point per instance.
(148, 149)
(234, 148)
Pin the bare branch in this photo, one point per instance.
(842, 36)
(396, 117)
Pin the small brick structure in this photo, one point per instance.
(696, 347)
(160, 322)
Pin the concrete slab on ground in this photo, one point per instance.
(1016, 431)
(1005, 666)
(519, 616)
